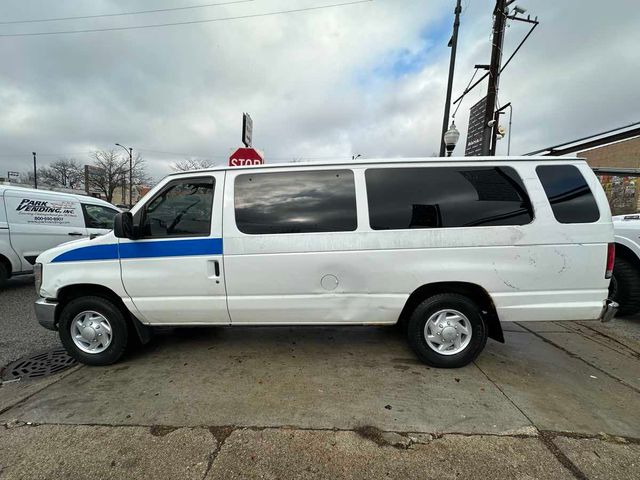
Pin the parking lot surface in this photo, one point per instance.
(558, 400)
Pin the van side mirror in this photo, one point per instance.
(123, 225)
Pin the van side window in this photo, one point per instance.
(181, 208)
(568, 193)
(440, 197)
(97, 216)
(296, 202)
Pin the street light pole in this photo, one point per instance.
(130, 152)
(130, 177)
(35, 172)
(510, 119)
(453, 43)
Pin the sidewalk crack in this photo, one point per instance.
(220, 435)
(547, 439)
(578, 357)
(506, 396)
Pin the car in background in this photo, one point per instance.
(32, 221)
(625, 283)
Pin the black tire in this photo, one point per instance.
(625, 286)
(106, 308)
(4, 274)
(446, 301)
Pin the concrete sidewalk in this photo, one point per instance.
(559, 400)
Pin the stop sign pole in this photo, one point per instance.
(248, 155)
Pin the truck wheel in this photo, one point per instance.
(625, 286)
(447, 331)
(93, 330)
(4, 274)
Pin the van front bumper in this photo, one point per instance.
(608, 311)
(46, 313)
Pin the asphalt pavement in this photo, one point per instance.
(20, 332)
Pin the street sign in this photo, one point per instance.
(13, 174)
(90, 174)
(475, 131)
(245, 156)
(247, 130)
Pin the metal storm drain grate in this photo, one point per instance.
(37, 365)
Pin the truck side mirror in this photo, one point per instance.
(123, 225)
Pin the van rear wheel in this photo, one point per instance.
(447, 331)
(93, 330)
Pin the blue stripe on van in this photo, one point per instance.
(150, 249)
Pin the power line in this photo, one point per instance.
(191, 22)
(139, 12)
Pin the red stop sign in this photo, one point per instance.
(245, 156)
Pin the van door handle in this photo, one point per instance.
(213, 270)
(75, 234)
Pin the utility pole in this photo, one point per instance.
(490, 118)
(453, 43)
(35, 171)
(130, 177)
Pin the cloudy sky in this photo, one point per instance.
(367, 78)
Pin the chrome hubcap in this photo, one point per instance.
(447, 332)
(91, 332)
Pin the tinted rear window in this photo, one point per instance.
(568, 193)
(437, 197)
(296, 202)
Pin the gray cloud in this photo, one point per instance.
(318, 84)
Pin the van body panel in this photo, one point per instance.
(179, 280)
(34, 225)
(63, 272)
(539, 271)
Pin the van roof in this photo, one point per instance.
(376, 161)
(83, 198)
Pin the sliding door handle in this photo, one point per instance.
(76, 234)
(216, 268)
(213, 270)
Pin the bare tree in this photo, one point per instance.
(27, 177)
(192, 164)
(64, 172)
(112, 171)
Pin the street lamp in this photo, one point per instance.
(130, 152)
(451, 137)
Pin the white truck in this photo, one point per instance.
(625, 284)
(32, 221)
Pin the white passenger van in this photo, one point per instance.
(448, 248)
(32, 221)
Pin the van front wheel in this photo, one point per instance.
(93, 330)
(447, 331)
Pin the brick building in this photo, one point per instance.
(623, 191)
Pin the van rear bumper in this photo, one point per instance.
(46, 313)
(608, 311)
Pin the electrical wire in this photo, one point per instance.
(139, 12)
(191, 22)
(466, 90)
